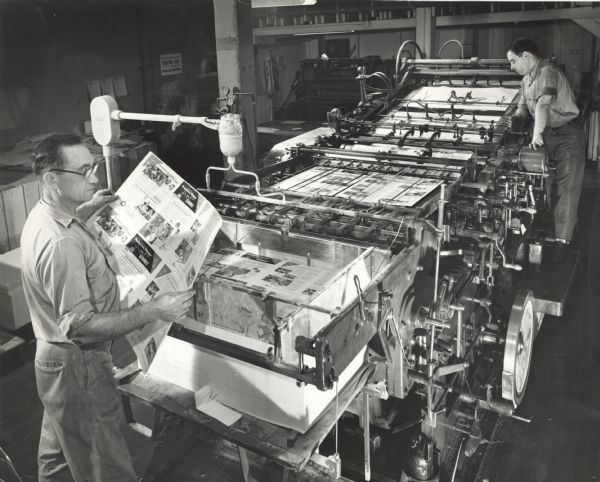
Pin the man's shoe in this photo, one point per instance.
(559, 252)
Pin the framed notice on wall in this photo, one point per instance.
(170, 64)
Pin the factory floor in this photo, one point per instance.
(561, 444)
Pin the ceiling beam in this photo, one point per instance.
(591, 25)
(332, 28)
(538, 15)
(518, 16)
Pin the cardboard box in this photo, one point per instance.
(14, 312)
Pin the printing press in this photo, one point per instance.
(420, 218)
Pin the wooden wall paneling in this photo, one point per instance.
(116, 172)
(482, 43)
(499, 43)
(555, 39)
(15, 213)
(31, 194)
(574, 35)
(568, 58)
(4, 245)
(496, 35)
(503, 37)
(384, 44)
(452, 50)
(132, 160)
(124, 170)
(564, 48)
(580, 42)
(468, 41)
(408, 35)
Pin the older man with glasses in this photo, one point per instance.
(74, 302)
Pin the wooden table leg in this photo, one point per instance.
(367, 435)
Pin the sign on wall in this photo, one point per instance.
(170, 64)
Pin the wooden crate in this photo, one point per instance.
(13, 307)
(15, 204)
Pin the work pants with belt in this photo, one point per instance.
(81, 435)
(566, 154)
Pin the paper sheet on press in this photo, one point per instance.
(206, 403)
(372, 187)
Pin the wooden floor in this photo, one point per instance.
(561, 444)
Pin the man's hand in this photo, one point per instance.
(536, 141)
(100, 198)
(172, 306)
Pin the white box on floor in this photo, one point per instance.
(14, 312)
(245, 387)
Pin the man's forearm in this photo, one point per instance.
(108, 326)
(542, 112)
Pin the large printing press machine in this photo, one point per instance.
(418, 220)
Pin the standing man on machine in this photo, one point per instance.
(546, 96)
(73, 297)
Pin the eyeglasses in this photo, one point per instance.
(87, 172)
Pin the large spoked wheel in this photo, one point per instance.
(519, 347)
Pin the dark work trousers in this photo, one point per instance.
(566, 154)
(81, 435)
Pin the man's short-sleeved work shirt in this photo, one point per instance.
(547, 79)
(66, 275)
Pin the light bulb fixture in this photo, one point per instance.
(330, 32)
(281, 3)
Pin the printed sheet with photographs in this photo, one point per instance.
(231, 301)
(373, 187)
(286, 277)
(289, 277)
(159, 231)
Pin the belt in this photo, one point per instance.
(102, 345)
(576, 122)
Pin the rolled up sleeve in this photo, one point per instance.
(64, 277)
(548, 83)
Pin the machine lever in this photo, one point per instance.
(447, 370)
(361, 301)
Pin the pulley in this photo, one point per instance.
(519, 347)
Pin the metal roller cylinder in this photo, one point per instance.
(531, 160)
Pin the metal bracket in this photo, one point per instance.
(377, 389)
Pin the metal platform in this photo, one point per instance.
(551, 285)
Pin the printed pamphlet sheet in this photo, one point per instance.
(157, 234)
(370, 187)
(237, 276)
(290, 278)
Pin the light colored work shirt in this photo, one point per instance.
(547, 79)
(66, 275)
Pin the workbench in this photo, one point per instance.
(287, 448)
